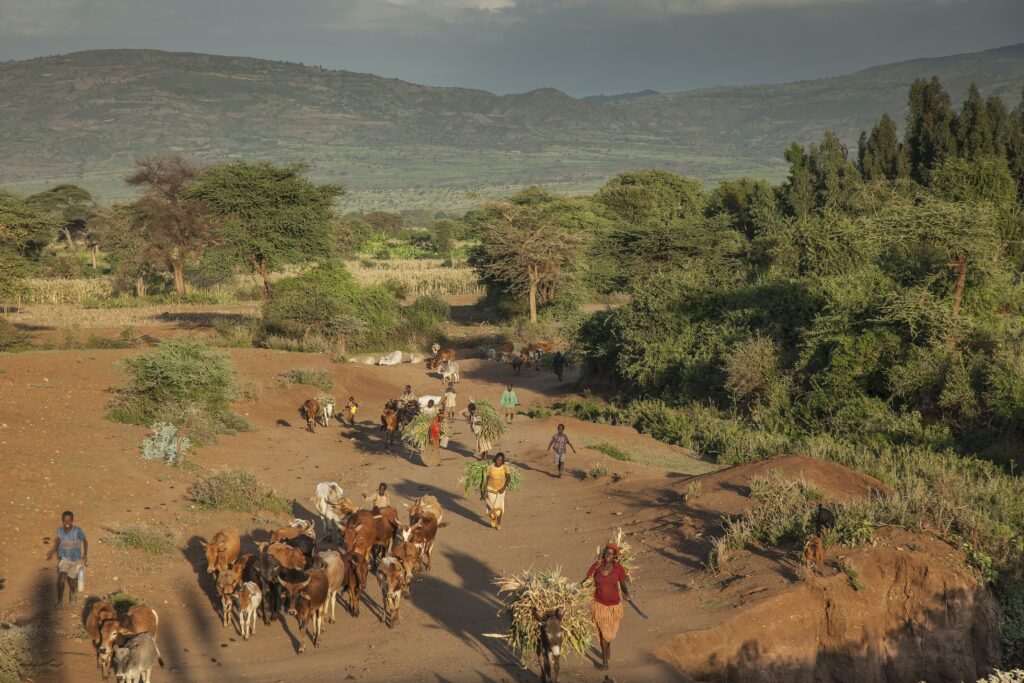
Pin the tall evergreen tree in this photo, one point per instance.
(798, 189)
(929, 137)
(880, 155)
(999, 120)
(973, 130)
(833, 176)
(1015, 146)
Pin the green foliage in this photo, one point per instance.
(852, 575)
(881, 156)
(183, 382)
(929, 135)
(599, 472)
(314, 378)
(165, 444)
(612, 451)
(150, 539)
(12, 339)
(237, 491)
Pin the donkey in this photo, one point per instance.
(549, 646)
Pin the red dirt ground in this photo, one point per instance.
(59, 452)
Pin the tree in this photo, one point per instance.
(72, 203)
(929, 134)
(526, 248)
(23, 228)
(739, 198)
(821, 178)
(881, 156)
(386, 223)
(174, 226)
(1015, 146)
(123, 238)
(268, 216)
(973, 129)
(442, 236)
(798, 188)
(640, 197)
(999, 120)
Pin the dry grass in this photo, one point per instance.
(419, 277)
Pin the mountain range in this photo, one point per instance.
(85, 116)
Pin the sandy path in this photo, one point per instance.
(75, 459)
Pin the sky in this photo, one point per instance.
(582, 47)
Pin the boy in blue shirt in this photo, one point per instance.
(72, 552)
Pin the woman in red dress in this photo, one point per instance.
(606, 607)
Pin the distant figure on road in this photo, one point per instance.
(558, 363)
(72, 552)
(449, 402)
(509, 402)
(560, 442)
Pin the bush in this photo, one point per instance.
(165, 444)
(183, 382)
(154, 540)
(12, 339)
(314, 378)
(612, 451)
(598, 471)
(20, 651)
(237, 491)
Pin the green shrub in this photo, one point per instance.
(12, 339)
(314, 378)
(237, 491)
(122, 600)
(598, 471)
(165, 444)
(183, 382)
(154, 540)
(612, 451)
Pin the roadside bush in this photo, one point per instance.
(612, 451)
(424, 320)
(182, 382)
(314, 378)
(12, 339)
(153, 540)
(237, 491)
(20, 651)
(165, 444)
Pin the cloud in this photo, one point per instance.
(684, 7)
(35, 17)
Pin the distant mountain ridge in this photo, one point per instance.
(84, 117)
(622, 96)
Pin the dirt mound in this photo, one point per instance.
(727, 491)
(915, 614)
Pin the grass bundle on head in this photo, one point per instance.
(474, 474)
(626, 556)
(534, 594)
(417, 432)
(492, 426)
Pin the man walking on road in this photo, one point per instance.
(72, 552)
(509, 403)
(560, 441)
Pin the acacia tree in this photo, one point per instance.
(22, 227)
(73, 204)
(267, 215)
(527, 248)
(174, 225)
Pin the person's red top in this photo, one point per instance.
(606, 586)
(435, 431)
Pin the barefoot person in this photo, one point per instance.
(72, 552)
(509, 403)
(449, 402)
(483, 445)
(560, 441)
(350, 411)
(493, 490)
(606, 607)
(435, 435)
(380, 500)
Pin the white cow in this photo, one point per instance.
(247, 601)
(326, 413)
(393, 358)
(449, 371)
(328, 502)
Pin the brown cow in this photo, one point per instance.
(356, 572)
(392, 585)
(100, 612)
(389, 420)
(507, 351)
(308, 592)
(365, 531)
(442, 356)
(310, 409)
(408, 554)
(423, 534)
(546, 347)
(289, 557)
(138, 619)
(223, 550)
(298, 527)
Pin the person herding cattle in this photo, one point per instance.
(606, 607)
(493, 490)
(509, 403)
(560, 441)
(558, 363)
(380, 499)
(350, 411)
(72, 552)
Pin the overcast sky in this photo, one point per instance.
(579, 46)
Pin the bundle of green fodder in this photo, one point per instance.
(417, 432)
(474, 474)
(323, 398)
(539, 593)
(627, 558)
(492, 426)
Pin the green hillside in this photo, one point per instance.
(85, 116)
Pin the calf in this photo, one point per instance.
(289, 557)
(326, 413)
(549, 646)
(356, 572)
(227, 586)
(408, 555)
(423, 535)
(134, 661)
(308, 592)
(392, 585)
(442, 356)
(309, 410)
(266, 570)
(99, 612)
(222, 550)
(389, 422)
(248, 600)
(333, 564)
(305, 545)
(138, 619)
